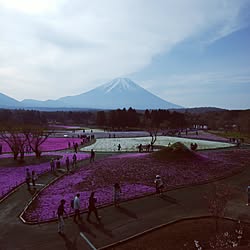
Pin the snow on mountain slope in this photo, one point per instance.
(118, 93)
(121, 84)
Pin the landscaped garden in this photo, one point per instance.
(131, 144)
(136, 172)
(51, 144)
(12, 173)
(172, 159)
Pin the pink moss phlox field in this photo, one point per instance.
(5, 146)
(11, 177)
(46, 205)
(58, 143)
(136, 176)
(51, 144)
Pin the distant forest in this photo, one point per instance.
(128, 119)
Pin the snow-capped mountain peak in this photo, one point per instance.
(119, 84)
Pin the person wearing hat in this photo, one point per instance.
(158, 184)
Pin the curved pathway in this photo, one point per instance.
(133, 217)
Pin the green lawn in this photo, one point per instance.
(232, 134)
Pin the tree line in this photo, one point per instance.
(22, 129)
(131, 118)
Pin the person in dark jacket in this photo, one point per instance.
(92, 207)
(60, 212)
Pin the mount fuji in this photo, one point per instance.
(119, 93)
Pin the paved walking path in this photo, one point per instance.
(117, 224)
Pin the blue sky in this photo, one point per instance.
(190, 52)
(216, 74)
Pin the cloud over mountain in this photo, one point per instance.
(60, 45)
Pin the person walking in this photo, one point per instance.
(67, 163)
(158, 185)
(77, 207)
(119, 147)
(117, 194)
(74, 159)
(28, 178)
(92, 155)
(248, 195)
(52, 165)
(92, 207)
(60, 212)
(58, 163)
(33, 178)
(140, 148)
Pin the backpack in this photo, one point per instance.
(72, 203)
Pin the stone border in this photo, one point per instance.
(34, 197)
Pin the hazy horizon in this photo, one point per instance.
(191, 53)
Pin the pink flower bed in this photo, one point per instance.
(51, 144)
(11, 177)
(5, 147)
(136, 176)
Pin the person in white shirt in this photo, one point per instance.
(158, 185)
(77, 207)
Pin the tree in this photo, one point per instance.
(152, 125)
(15, 139)
(101, 118)
(36, 136)
(132, 118)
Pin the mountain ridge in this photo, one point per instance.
(118, 93)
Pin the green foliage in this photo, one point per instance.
(176, 151)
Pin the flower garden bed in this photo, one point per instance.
(11, 177)
(131, 144)
(50, 144)
(136, 176)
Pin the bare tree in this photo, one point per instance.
(19, 137)
(36, 136)
(153, 133)
(15, 139)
